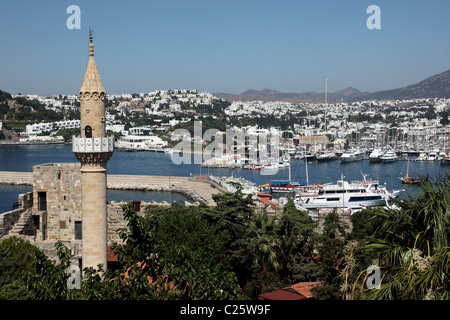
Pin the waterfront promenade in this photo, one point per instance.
(195, 188)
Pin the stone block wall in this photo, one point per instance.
(10, 218)
(61, 183)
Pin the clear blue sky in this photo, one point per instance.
(222, 46)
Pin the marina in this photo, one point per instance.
(158, 168)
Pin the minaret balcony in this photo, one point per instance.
(86, 145)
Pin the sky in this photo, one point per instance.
(226, 46)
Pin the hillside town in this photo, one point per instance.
(148, 121)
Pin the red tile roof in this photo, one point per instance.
(111, 256)
(281, 294)
(298, 291)
(303, 288)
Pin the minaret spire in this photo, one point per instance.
(92, 82)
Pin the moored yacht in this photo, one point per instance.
(352, 155)
(140, 143)
(375, 155)
(445, 160)
(354, 195)
(327, 156)
(388, 156)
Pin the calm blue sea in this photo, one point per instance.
(23, 158)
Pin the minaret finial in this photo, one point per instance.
(91, 45)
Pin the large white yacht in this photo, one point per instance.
(354, 195)
(352, 155)
(375, 155)
(388, 156)
(140, 143)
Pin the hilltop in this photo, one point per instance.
(437, 86)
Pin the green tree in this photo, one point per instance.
(148, 268)
(176, 270)
(232, 216)
(16, 258)
(444, 118)
(263, 244)
(47, 280)
(331, 252)
(296, 230)
(184, 226)
(412, 245)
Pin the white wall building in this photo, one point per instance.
(38, 128)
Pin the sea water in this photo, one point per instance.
(22, 158)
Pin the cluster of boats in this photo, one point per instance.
(351, 155)
(354, 195)
(376, 155)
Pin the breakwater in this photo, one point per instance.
(197, 189)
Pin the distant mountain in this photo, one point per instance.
(437, 86)
(273, 95)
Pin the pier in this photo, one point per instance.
(197, 189)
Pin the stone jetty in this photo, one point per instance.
(195, 188)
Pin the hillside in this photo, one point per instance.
(437, 86)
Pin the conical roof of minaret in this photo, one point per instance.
(92, 81)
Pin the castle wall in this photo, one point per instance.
(61, 185)
(9, 219)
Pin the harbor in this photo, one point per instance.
(147, 173)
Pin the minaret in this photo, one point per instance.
(93, 149)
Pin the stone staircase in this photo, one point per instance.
(22, 226)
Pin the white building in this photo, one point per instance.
(38, 128)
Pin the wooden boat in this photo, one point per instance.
(410, 180)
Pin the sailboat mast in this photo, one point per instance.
(326, 98)
(306, 165)
(290, 180)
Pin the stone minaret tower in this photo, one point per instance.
(93, 149)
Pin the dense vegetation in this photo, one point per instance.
(231, 251)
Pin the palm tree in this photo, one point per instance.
(412, 245)
(263, 244)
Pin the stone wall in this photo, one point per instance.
(116, 220)
(61, 184)
(10, 218)
(343, 215)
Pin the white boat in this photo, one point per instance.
(388, 156)
(327, 156)
(354, 195)
(432, 156)
(269, 169)
(445, 160)
(31, 140)
(140, 143)
(375, 155)
(352, 155)
(422, 156)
